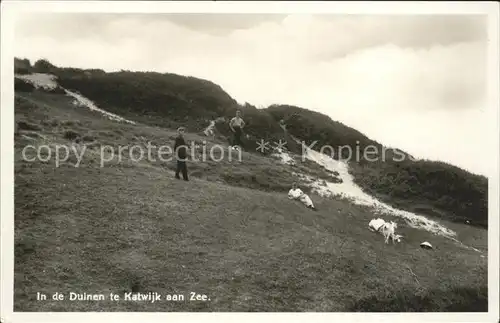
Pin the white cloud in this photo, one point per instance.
(413, 83)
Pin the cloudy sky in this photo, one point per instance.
(413, 82)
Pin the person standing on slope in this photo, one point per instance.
(237, 124)
(180, 151)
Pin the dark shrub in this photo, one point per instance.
(23, 86)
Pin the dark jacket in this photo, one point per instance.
(180, 144)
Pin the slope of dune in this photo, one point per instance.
(230, 233)
(345, 187)
(431, 188)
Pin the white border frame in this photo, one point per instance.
(11, 8)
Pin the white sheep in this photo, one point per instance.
(387, 229)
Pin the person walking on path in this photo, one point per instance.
(180, 151)
(237, 124)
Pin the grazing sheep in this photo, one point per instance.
(387, 229)
(376, 224)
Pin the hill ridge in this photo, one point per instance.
(166, 101)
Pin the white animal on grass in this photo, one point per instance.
(387, 229)
(376, 224)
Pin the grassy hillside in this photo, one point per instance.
(312, 126)
(154, 97)
(167, 100)
(230, 233)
